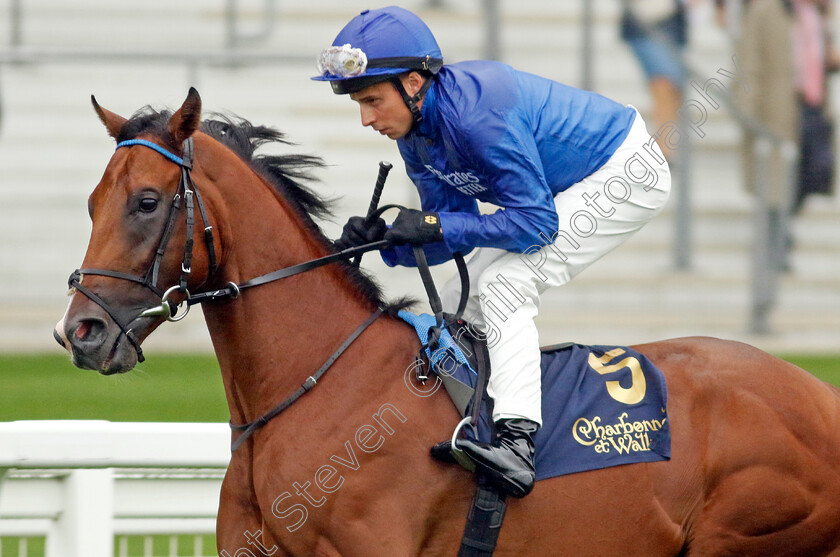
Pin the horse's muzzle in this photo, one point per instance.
(95, 343)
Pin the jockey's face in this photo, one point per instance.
(383, 109)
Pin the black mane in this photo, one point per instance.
(283, 172)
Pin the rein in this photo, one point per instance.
(233, 290)
(168, 310)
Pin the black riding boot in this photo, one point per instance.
(508, 462)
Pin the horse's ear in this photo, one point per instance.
(185, 121)
(113, 122)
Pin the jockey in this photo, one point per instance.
(571, 173)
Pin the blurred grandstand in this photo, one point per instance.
(254, 58)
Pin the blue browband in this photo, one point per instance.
(174, 158)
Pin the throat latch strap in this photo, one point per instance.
(185, 192)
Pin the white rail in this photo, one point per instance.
(78, 484)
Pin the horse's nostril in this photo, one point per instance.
(82, 330)
(88, 330)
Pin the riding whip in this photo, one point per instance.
(384, 168)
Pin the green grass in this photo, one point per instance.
(134, 546)
(165, 388)
(826, 368)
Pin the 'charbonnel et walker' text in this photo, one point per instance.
(622, 436)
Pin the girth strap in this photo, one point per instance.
(483, 523)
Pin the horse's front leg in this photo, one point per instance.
(239, 525)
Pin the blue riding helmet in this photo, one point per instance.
(379, 45)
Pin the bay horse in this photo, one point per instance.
(345, 470)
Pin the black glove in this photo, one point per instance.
(415, 227)
(358, 232)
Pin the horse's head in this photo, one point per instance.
(176, 199)
(147, 217)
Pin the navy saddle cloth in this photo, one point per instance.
(601, 405)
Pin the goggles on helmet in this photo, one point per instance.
(341, 62)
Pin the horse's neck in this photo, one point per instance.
(270, 341)
(275, 335)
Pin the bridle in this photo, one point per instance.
(186, 191)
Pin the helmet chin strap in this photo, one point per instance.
(411, 101)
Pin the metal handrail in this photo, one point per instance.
(234, 36)
(16, 52)
(768, 235)
(192, 61)
(15, 19)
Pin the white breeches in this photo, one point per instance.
(596, 215)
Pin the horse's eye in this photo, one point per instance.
(148, 205)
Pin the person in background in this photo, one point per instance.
(785, 51)
(573, 175)
(656, 31)
(815, 57)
